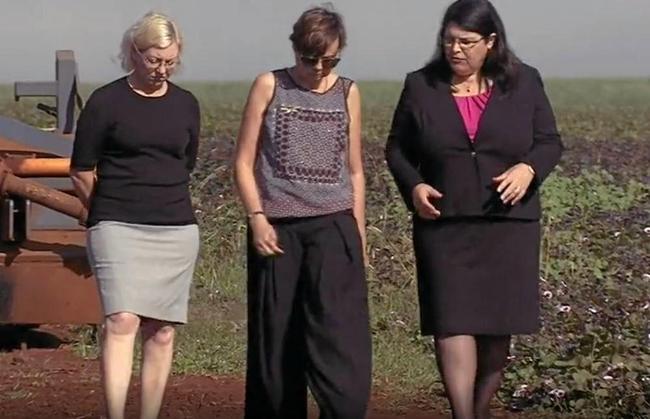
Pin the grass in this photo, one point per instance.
(593, 355)
(219, 308)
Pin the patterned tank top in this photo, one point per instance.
(302, 168)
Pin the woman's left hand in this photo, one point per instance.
(514, 182)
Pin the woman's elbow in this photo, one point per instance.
(391, 156)
(75, 176)
(357, 174)
(82, 178)
(241, 168)
(391, 149)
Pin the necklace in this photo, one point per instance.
(299, 82)
(157, 93)
(467, 88)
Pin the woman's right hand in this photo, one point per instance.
(265, 238)
(423, 195)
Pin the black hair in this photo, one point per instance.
(480, 16)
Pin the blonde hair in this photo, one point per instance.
(151, 30)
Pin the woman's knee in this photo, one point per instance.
(122, 323)
(493, 352)
(159, 333)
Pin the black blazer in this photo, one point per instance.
(428, 143)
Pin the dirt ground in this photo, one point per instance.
(41, 377)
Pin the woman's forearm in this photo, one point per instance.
(359, 207)
(84, 185)
(247, 188)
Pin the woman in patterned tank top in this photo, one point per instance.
(298, 168)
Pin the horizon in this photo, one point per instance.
(234, 40)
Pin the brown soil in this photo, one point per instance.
(41, 377)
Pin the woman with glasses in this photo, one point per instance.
(299, 172)
(473, 138)
(135, 146)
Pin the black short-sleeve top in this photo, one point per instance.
(144, 149)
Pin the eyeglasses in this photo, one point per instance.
(464, 43)
(155, 62)
(327, 62)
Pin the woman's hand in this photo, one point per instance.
(514, 182)
(265, 239)
(422, 196)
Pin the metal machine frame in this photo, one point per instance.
(44, 274)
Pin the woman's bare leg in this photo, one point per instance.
(157, 354)
(120, 330)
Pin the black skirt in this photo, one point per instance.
(478, 276)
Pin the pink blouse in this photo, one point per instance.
(471, 108)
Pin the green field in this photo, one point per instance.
(593, 354)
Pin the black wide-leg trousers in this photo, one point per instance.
(308, 322)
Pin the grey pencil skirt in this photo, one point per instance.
(144, 269)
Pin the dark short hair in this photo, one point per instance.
(479, 16)
(316, 29)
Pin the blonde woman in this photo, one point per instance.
(134, 149)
